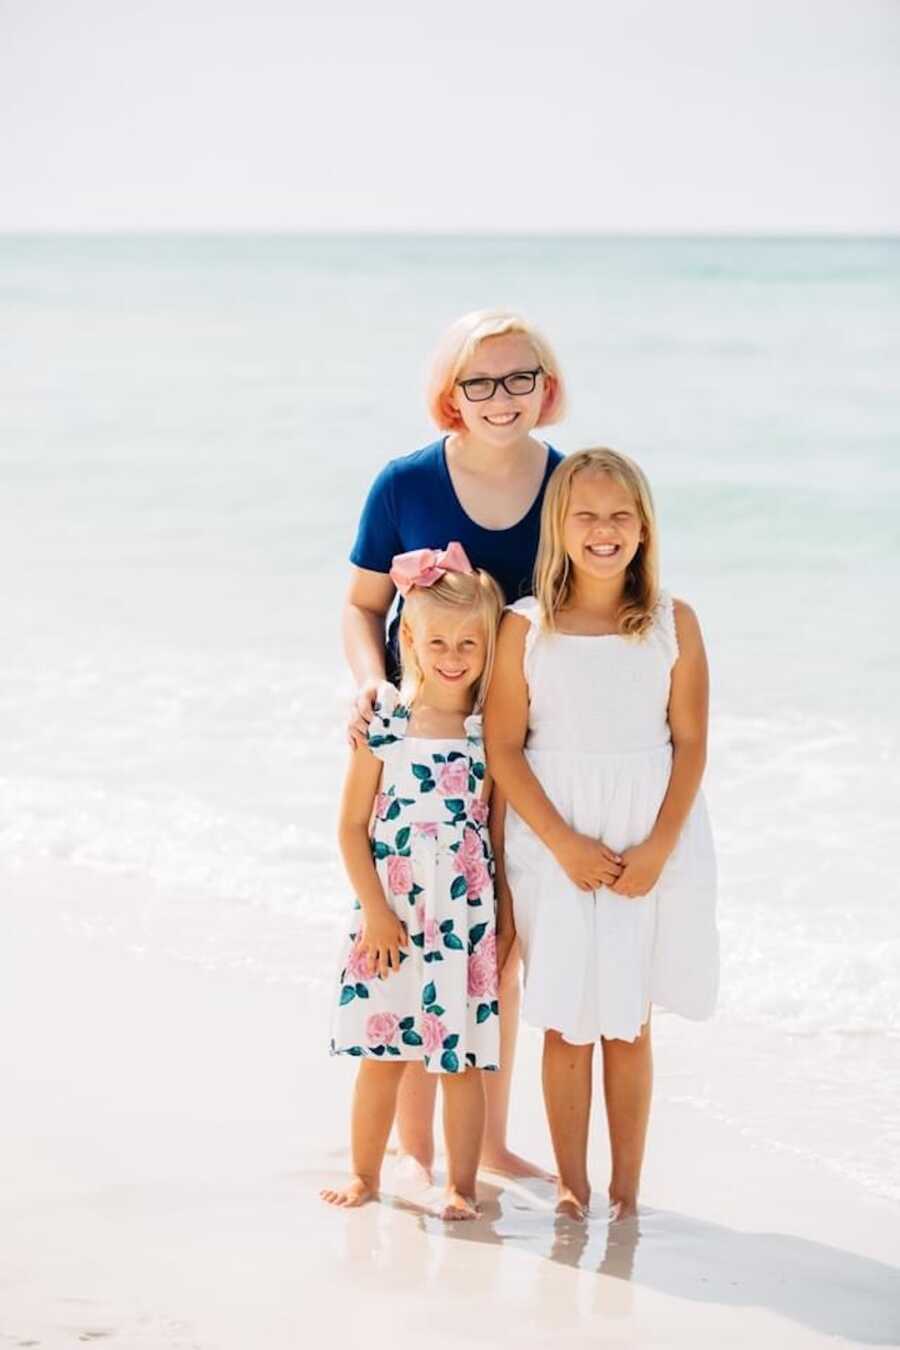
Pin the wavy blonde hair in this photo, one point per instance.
(460, 342)
(476, 592)
(553, 571)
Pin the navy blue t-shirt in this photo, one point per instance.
(413, 504)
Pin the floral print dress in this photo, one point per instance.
(433, 857)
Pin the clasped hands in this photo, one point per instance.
(590, 864)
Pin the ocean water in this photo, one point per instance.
(188, 426)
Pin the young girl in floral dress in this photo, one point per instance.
(418, 978)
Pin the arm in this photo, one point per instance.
(688, 718)
(506, 924)
(383, 934)
(587, 862)
(369, 597)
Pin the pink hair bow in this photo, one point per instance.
(425, 566)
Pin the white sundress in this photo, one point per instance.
(599, 743)
(433, 857)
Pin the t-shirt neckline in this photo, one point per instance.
(487, 529)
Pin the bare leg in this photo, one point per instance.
(567, 1096)
(463, 1130)
(495, 1155)
(628, 1082)
(415, 1115)
(374, 1104)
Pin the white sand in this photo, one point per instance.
(165, 1131)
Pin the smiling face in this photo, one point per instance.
(504, 418)
(602, 528)
(448, 642)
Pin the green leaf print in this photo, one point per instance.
(355, 1050)
(377, 1049)
(393, 1050)
(393, 811)
(427, 786)
(429, 994)
(495, 1007)
(449, 1062)
(362, 991)
(454, 804)
(475, 903)
(478, 768)
(447, 926)
(432, 956)
(348, 993)
(451, 1042)
(380, 849)
(406, 1022)
(416, 890)
(483, 1012)
(381, 740)
(439, 759)
(437, 1010)
(455, 754)
(476, 933)
(459, 888)
(418, 939)
(411, 1038)
(402, 838)
(470, 1059)
(421, 771)
(453, 942)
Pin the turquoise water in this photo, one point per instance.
(187, 428)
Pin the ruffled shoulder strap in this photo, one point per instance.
(389, 722)
(664, 626)
(530, 609)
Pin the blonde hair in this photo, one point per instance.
(459, 343)
(553, 572)
(475, 591)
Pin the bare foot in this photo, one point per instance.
(622, 1209)
(349, 1197)
(568, 1206)
(508, 1164)
(458, 1206)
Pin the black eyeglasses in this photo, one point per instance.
(518, 383)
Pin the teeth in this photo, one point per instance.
(603, 550)
(502, 420)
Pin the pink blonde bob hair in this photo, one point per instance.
(458, 345)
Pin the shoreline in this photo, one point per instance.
(168, 1128)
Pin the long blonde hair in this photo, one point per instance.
(459, 343)
(476, 592)
(553, 571)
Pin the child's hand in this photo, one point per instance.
(642, 867)
(361, 713)
(382, 936)
(587, 862)
(506, 937)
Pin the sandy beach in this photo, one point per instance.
(166, 1129)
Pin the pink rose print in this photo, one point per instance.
(453, 778)
(471, 848)
(358, 967)
(381, 1028)
(479, 811)
(476, 875)
(382, 805)
(433, 1032)
(432, 935)
(426, 827)
(482, 982)
(400, 877)
(488, 947)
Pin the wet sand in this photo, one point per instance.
(166, 1129)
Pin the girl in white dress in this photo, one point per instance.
(596, 733)
(418, 971)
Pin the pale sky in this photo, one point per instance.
(649, 115)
